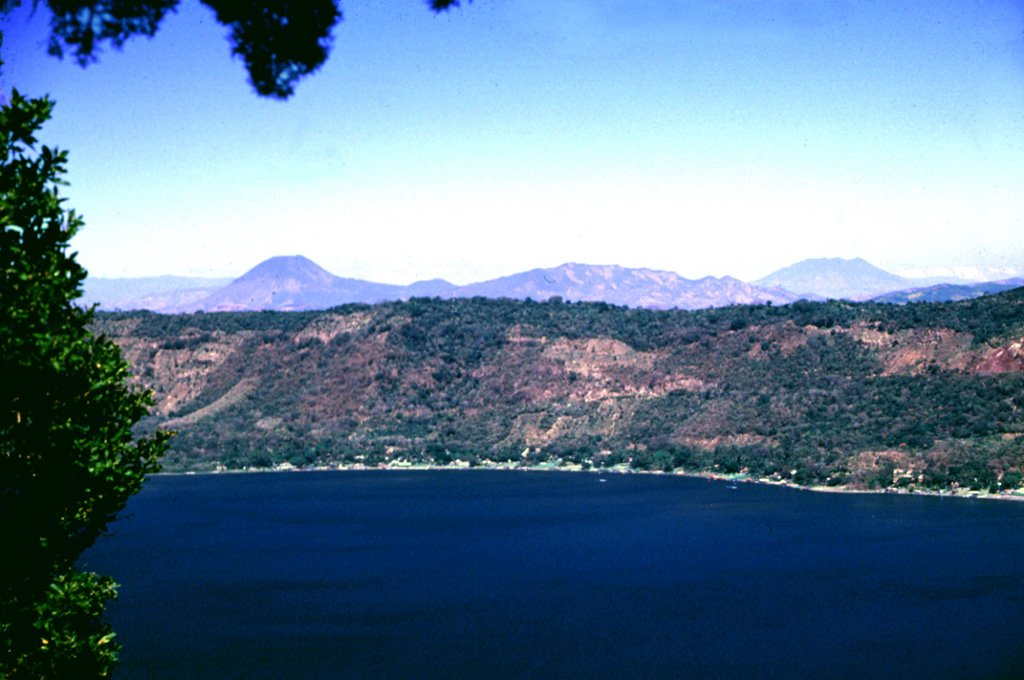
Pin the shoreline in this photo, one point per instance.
(1017, 495)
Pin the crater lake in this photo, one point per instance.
(476, 574)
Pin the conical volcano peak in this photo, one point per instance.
(295, 267)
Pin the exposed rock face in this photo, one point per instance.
(178, 369)
(801, 387)
(1003, 359)
(915, 350)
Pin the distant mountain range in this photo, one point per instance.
(841, 279)
(150, 292)
(621, 286)
(296, 283)
(946, 292)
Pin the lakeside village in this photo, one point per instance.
(834, 395)
(903, 481)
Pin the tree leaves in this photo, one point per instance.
(68, 461)
(280, 41)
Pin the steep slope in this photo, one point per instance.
(810, 392)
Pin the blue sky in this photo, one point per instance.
(707, 138)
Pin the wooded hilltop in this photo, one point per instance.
(865, 395)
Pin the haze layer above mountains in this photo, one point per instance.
(297, 283)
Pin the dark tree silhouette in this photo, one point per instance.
(280, 41)
(68, 459)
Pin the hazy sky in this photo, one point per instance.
(730, 137)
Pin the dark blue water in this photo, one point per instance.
(488, 574)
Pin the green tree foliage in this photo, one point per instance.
(788, 392)
(68, 460)
(280, 41)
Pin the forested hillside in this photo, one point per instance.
(836, 393)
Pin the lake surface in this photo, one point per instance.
(498, 574)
